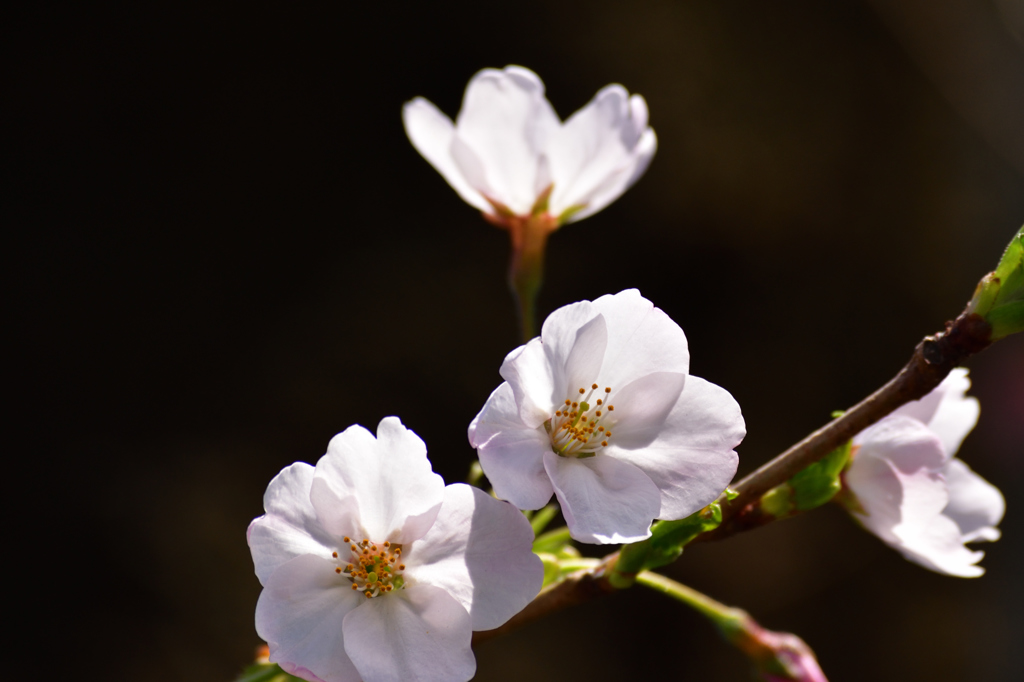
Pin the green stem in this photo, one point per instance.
(542, 518)
(552, 540)
(725, 617)
(526, 266)
(577, 564)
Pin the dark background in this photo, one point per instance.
(225, 251)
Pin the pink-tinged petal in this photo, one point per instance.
(905, 442)
(532, 380)
(603, 500)
(432, 133)
(617, 184)
(641, 339)
(642, 406)
(975, 505)
(300, 614)
(957, 414)
(383, 484)
(479, 551)
(601, 151)
(506, 121)
(416, 634)
(947, 410)
(290, 526)
(939, 547)
(879, 494)
(692, 460)
(904, 508)
(511, 454)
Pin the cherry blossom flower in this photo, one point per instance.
(508, 154)
(601, 411)
(373, 570)
(904, 485)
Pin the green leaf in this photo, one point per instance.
(818, 483)
(999, 297)
(1006, 319)
(809, 488)
(664, 546)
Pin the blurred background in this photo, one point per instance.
(224, 251)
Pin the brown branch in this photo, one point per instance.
(933, 359)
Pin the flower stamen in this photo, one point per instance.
(371, 569)
(570, 428)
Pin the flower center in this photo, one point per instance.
(372, 569)
(582, 426)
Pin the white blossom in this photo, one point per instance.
(601, 411)
(507, 148)
(373, 570)
(910, 491)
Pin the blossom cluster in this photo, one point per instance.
(373, 569)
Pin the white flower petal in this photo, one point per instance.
(914, 498)
(559, 333)
(432, 134)
(939, 547)
(532, 380)
(416, 634)
(300, 614)
(906, 512)
(956, 415)
(975, 505)
(692, 458)
(479, 551)
(947, 410)
(616, 185)
(384, 484)
(905, 442)
(506, 121)
(511, 454)
(587, 355)
(643, 406)
(642, 339)
(290, 526)
(596, 156)
(514, 464)
(603, 500)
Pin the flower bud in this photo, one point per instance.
(777, 656)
